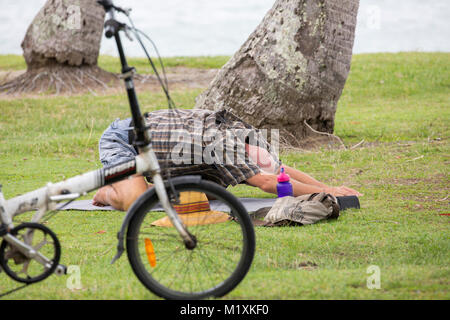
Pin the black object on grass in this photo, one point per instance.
(348, 202)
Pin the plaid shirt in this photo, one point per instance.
(206, 143)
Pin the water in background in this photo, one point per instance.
(216, 27)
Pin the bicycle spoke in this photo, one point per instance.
(207, 271)
(40, 245)
(214, 264)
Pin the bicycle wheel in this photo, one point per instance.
(221, 259)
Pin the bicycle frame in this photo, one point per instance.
(45, 199)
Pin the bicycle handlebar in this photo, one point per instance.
(111, 25)
(107, 4)
(110, 28)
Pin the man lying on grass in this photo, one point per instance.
(216, 145)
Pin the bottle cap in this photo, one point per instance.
(283, 177)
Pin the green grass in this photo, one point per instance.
(397, 103)
(112, 64)
(392, 97)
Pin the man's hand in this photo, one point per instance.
(342, 191)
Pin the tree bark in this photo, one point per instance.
(61, 49)
(65, 32)
(291, 70)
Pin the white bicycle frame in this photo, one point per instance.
(45, 199)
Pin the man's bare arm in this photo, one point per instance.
(264, 160)
(268, 183)
(303, 177)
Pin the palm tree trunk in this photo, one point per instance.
(291, 70)
(65, 32)
(61, 49)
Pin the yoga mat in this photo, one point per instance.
(251, 204)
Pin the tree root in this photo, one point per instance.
(60, 80)
(311, 140)
(326, 134)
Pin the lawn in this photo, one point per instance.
(396, 105)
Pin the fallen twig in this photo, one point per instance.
(358, 144)
(420, 157)
(390, 221)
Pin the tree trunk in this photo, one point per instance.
(291, 70)
(64, 32)
(61, 48)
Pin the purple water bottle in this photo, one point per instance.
(284, 186)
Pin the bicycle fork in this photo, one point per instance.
(150, 157)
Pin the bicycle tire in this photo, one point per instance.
(244, 225)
